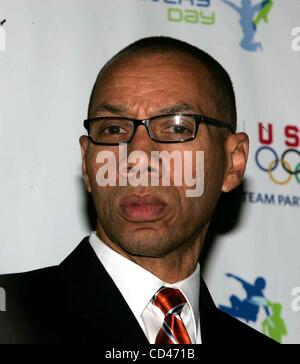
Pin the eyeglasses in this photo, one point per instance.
(175, 128)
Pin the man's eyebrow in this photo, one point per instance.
(110, 108)
(180, 107)
(173, 109)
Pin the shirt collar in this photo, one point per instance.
(143, 284)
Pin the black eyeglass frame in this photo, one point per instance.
(136, 122)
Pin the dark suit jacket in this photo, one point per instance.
(78, 302)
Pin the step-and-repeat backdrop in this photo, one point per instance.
(50, 54)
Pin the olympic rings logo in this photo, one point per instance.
(270, 167)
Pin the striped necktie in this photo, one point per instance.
(171, 302)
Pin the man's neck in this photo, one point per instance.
(174, 266)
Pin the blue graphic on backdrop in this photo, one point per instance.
(250, 16)
(248, 308)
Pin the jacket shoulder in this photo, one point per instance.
(27, 298)
(239, 332)
(23, 281)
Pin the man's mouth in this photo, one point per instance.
(142, 208)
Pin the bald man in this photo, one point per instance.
(136, 278)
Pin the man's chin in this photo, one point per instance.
(145, 244)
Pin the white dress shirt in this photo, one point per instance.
(137, 285)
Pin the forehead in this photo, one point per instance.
(155, 81)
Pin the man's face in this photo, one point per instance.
(141, 88)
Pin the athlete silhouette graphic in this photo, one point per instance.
(247, 308)
(247, 11)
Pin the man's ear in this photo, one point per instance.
(84, 144)
(236, 149)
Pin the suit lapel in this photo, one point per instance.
(209, 316)
(94, 303)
